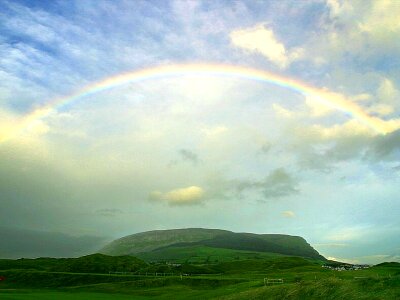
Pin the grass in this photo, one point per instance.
(51, 295)
(202, 255)
(229, 279)
(332, 288)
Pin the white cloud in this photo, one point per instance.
(349, 233)
(369, 259)
(282, 111)
(382, 20)
(263, 40)
(386, 100)
(182, 196)
(331, 245)
(16, 127)
(361, 97)
(344, 260)
(365, 30)
(339, 8)
(387, 92)
(8, 122)
(214, 131)
(346, 129)
(38, 127)
(381, 109)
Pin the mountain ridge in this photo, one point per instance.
(148, 241)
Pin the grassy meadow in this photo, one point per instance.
(229, 278)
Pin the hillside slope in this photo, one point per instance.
(146, 242)
(93, 263)
(151, 240)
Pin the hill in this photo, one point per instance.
(151, 240)
(153, 244)
(94, 263)
(389, 265)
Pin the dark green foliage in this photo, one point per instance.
(99, 263)
(258, 243)
(39, 279)
(94, 263)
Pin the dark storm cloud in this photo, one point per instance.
(322, 155)
(189, 156)
(279, 183)
(386, 147)
(31, 190)
(15, 243)
(265, 149)
(185, 155)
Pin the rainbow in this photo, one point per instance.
(324, 96)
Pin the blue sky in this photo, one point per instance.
(203, 151)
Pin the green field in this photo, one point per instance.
(241, 278)
(51, 295)
(202, 255)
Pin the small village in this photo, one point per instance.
(346, 267)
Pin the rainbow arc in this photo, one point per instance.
(326, 97)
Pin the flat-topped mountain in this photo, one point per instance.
(159, 242)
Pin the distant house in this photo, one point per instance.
(346, 267)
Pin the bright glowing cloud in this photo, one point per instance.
(282, 111)
(38, 127)
(214, 131)
(317, 109)
(288, 214)
(183, 196)
(345, 260)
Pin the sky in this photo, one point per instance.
(118, 117)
